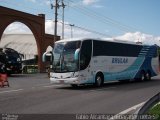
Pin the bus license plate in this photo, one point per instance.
(62, 81)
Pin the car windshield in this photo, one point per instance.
(64, 56)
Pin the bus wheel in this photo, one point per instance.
(99, 80)
(148, 75)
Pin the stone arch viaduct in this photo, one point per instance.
(35, 23)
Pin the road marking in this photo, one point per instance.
(34, 87)
(127, 111)
(132, 108)
(11, 91)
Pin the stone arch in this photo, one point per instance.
(34, 32)
(35, 23)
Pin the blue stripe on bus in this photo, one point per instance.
(143, 62)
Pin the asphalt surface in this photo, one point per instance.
(33, 94)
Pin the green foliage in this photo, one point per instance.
(30, 69)
(155, 110)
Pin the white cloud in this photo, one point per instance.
(92, 3)
(141, 37)
(49, 28)
(89, 2)
(47, 2)
(32, 1)
(98, 6)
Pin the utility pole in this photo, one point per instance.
(63, 6)
(56, 14)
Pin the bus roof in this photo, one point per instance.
(102, 39)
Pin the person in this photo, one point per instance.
(2, 68)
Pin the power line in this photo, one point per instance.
(88, 12)
(93, 31)
(85, 29)
(101, 18)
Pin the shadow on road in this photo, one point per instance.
(119, 86)
(18, 75)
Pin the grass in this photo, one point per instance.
(155, 110)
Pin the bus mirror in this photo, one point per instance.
(76, 54)
(47, 57)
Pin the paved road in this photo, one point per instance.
(34, 94)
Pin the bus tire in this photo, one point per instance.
(99, 80)
(148, 75)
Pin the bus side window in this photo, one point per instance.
(85, 54)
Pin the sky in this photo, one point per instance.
(131, 20)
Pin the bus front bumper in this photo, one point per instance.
(65, 81)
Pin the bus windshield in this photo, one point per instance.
(64, 56)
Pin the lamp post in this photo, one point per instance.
(71, 30)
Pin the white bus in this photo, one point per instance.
(96, 61)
